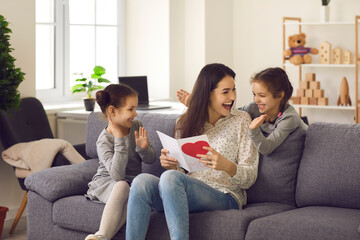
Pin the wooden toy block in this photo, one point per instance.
(347, 57)
(314, 85)
(337, 56)
(325, 53)
(319, 93)
(310, 77)
(344, 97)
(300, 92)
(296, 100)
(309, 93)
(305, 101)
(304, 84)
(313, 101)
(323, 101)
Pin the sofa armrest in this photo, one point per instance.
(62, 181)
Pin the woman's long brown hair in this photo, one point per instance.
(191, 123)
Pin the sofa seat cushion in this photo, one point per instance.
(229, 224)
(78, 213)
(329, 169)
(311, 223)
(277, 173)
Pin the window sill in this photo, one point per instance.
(53, 108)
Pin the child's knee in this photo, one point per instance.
(122, 188)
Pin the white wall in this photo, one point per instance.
(219, 32)
(201, 32)
(21, 15)
(258, 44)
(147, 44)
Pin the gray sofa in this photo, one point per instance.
(309, 188)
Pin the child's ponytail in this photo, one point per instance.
(114, 95)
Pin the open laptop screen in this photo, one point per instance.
(139, 84)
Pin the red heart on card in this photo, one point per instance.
(192, 149)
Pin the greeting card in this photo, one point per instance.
(184, 150)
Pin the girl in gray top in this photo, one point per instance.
(273, 118)
(121, 148)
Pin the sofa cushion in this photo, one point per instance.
(227, 224)
(157, 122)
(78, 213)
(329, 170)
(62, 181)
(277, 172)
(311, 223)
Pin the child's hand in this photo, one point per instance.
(167, 162)
(184, 97)
(141, 138)
(257, 122)
(113, 129)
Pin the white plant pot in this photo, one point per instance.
(324, 14)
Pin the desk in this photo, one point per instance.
(71, 124)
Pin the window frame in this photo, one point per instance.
(61, 91)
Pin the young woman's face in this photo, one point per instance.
(264, 99)
(222, 98)
(124, 116)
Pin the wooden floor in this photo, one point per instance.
(19, 233)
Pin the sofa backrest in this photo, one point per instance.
(152, 122)
(277, 173)
(329, 171)
(96, 123)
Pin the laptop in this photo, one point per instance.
(139, 84)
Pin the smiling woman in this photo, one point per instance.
(232, 164)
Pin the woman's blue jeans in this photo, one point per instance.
(176, 194)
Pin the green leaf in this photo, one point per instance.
(81, 79)
(10, 76)
(103, 80)
(79, 88)
(95, 76)
(99, 70)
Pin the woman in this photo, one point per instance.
(233, 162)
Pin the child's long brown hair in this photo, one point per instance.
(276, 80)
(191, 123)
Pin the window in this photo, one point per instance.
(73, 36)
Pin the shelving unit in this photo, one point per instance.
(290, 21)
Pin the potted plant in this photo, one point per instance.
(10, 76)
(90, 84)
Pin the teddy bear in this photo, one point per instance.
(298, 53)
